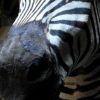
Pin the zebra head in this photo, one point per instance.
(26, 64)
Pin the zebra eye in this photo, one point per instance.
(37, 68)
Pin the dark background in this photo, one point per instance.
(8, 11)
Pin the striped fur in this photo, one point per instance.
(84, 82)
(73, 28)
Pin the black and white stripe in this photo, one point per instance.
(85, 79)
(64, 19)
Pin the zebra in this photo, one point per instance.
(71, 36)
(67, 31)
